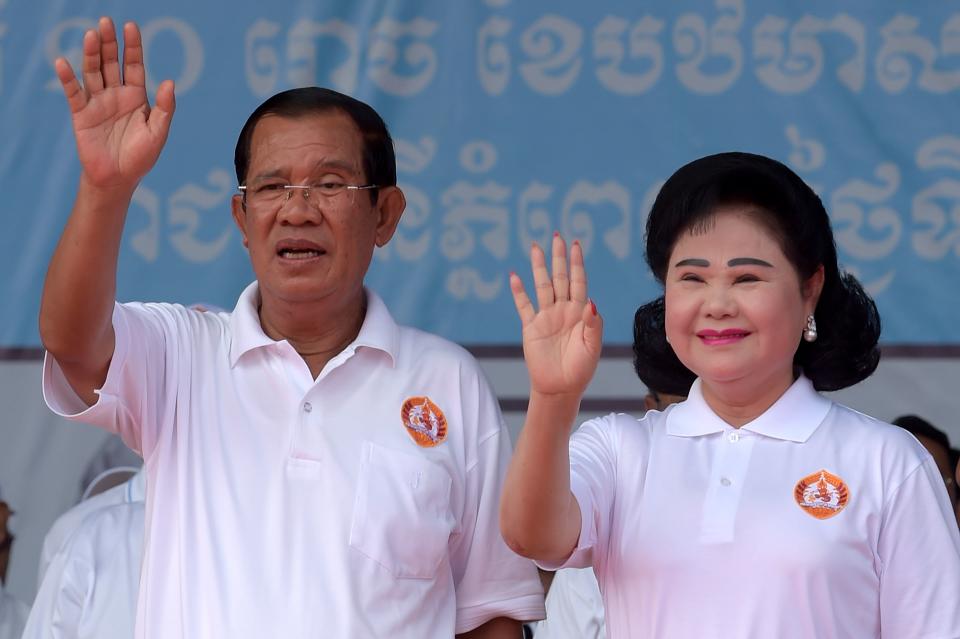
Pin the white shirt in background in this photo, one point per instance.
(90, 587)
(574, 607)
(131, 490)
(13, 615)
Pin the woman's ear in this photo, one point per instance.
(812, 288)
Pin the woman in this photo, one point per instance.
(756, 508)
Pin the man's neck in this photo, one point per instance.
(317, 331)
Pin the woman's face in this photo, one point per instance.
(735, 305)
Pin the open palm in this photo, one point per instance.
(119, 136)
(561, 340)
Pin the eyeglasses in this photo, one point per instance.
(276, 194)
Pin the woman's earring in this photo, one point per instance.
(810, 332)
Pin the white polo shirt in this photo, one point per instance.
(90, 587)
(812, 521)
(134, 489)
(283, 506)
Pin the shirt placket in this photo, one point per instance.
(302, 446)
(308, 434)
(725, 487)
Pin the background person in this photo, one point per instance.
(98, 495)
(13, 612)
(937, 444)
(88, 589)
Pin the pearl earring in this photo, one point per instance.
(810, 332)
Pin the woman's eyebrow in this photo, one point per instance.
(748, 261)
(692, 261)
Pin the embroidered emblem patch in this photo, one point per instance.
(424, 421)
(822, 494)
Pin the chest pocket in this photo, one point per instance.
(401, 516)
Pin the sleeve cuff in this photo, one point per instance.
(60, 396)
(581, 557)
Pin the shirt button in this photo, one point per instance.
(733, 437)
(725, 482)
(307, 407)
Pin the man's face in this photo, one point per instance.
(942, 456)
(311, 248)
(956, 486)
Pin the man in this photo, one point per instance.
(937, 444)
(113, 486)
(88, 587)
(955, 463)
(313, 468)
(13, 612)
(110, 465)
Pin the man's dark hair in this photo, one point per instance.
(922, 428)
(379, 160)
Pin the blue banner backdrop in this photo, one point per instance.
(513, 119)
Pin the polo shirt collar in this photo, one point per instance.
(794, 417)
(378, 331)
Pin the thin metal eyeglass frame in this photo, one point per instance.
(288, 189)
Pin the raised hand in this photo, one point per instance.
(119, 136)
(561, 340)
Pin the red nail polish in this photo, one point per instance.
(556, 233)
(593, 307)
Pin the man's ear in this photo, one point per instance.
(390, 205)
(650, 402)
(239, 211)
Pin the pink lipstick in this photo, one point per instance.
(719, 338)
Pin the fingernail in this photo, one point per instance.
(556, 233)
(593, 307)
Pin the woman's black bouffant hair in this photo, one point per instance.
(848, 325)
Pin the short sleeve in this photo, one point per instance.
(592, 481)
(490, 579)
(132, 396)
(919, 555)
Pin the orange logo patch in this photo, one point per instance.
(822, 494)
(424, 421)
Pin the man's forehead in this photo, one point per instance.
(332, 134)
(278, 167)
